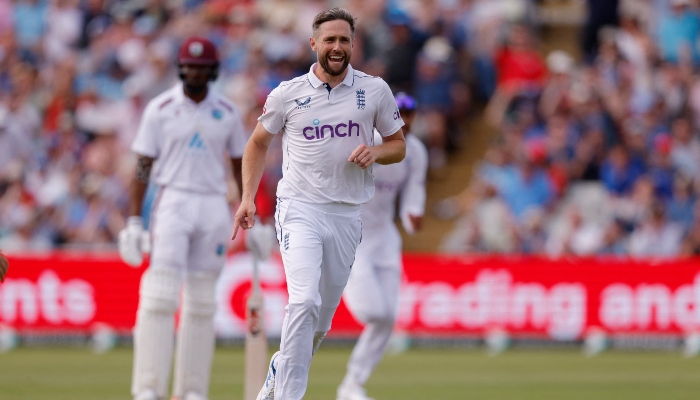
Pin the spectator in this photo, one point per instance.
(519, 64)
(678, 33)
(577, 236)
(434, 81)
(403, 51)
(685, 148)
(619, 172)
(681, 207)
(526, 184)
(613, 240)
(656, 237)
(600, 13)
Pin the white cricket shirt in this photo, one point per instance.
(405, 179)
(322, 127)
(190, 141)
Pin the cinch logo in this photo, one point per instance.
(397, 114)
(340, 130)
(197, 142)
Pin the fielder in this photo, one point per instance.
(326, 119)
(372, 291)
(185, 135)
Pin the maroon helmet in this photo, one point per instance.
(199, 51)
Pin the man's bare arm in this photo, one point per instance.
(237, 165)
(253, 166)
(392, 149)
(139, 183)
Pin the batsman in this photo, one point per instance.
(185, 136)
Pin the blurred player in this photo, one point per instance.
(184, 135)
(4, 265)
(372, 291)
(326, 119)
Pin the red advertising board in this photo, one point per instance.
(440, 295)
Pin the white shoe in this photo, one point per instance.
(146, 395)
(352, 392)
(193, 396)
(268, 390)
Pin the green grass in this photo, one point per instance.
(77, 374)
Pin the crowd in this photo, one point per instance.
(597, 154)
(594, 157)
(75, 76)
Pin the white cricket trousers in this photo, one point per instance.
(189, 233)
(317, 243)
(372, 295)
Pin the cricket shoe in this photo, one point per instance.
(352, 392)
(268, 390)
(146, 395)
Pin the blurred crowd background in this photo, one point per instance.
(594, 152)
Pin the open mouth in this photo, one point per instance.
(336, 60)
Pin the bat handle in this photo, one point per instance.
(254, 321)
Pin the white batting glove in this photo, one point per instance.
(260, 240)
(131, 240)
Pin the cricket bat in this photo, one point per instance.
(255, 339)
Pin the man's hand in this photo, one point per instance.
(244, 217)
(363, 156)
(132, 242)
(416, 221)
(412, 223)
(4, 265)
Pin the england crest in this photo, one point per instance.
(360, 96)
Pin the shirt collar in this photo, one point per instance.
(315, 82)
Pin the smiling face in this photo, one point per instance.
(333, 44)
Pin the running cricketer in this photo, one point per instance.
(372, 291)
(185, 136)
(326, 118)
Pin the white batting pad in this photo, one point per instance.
(155, 331)
(195, 342)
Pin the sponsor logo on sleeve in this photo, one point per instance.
(397, 114)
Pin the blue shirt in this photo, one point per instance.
(676, 32)
(521, 194)
(30, 22)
